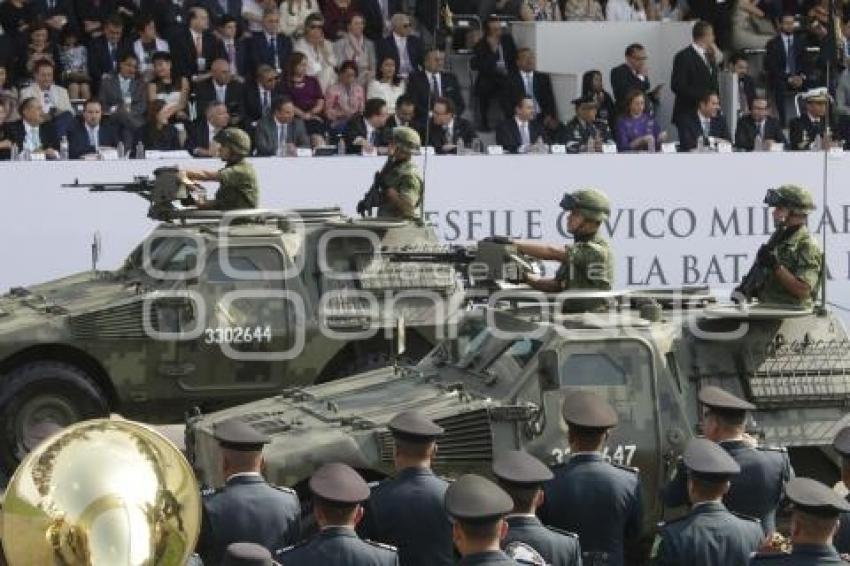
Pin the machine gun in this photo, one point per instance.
(374, 197)
(755, 278)
(161, 192)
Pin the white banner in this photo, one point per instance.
(676, 219)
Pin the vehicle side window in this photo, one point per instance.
(592, 369)
(604, 364)
(246, 264)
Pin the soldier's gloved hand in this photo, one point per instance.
(362, 207)
(768, 257)
(499, 240)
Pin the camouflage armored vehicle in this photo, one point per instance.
(500, 384)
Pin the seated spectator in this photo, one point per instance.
(89, 133)
(280, 132)
(433, 82)
(321, 61)
(195, 47)
(757, 124)
(124, 96)
(746, 84)
(168, 86)
(405, 49)
(637, 130)
(236, 49)
(40, 48)
(751, 28)
(252, 15)
(785, 64)
(516, 134)
(705, 123)
(220, 87)
(58, 15)
(269, 46)
(5, 139)
(405, 115)
(541, 11)
(446, 128)
(8, 95)
(842, 93)
(591, 86)
(32, 132)
(584, 132)
(306, 94)
(8, 57)
(354, 46)
(200, 142)
(92, 17)
(633, 75)
(625, 11)
(104, 50)
(16, 16)
(218, 9)
(345, 98)
(526, 81)
(147, 44)
(337, 14)
(365, 133)
(387, 85)
(293, 15)
(583, 11)
(158, 133)
(55, 103)
(259, 95)
(73, 60)
(803, 130)
(494, 56)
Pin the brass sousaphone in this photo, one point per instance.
(102, 493)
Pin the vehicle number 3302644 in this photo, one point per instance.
(238, 335)
(622, 454)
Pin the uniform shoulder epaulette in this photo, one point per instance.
(631, 469)
(208, 491)
(561, 531)
(771, 448)
(285, 489)
(286, 549)
(746, 517)
(385, 546)
(769, 555)
(661, 524)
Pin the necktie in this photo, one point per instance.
(761, 130)
(529, 89)
(281, 135)
(93, 137)
(113, 59)
(706, 126)
(231, 53)
(273, 46)
(789, 57)
(220, 93)
(435, 86)
(524, 135)
(372, 137)
(743, 103)
(35, 138)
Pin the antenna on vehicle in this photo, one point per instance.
(833, 53)
(95, 251)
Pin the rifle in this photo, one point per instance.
(374, 197)
(755, 278)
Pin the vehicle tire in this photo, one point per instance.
(54, 394)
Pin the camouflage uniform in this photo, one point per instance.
(238, 188)
(403, 176)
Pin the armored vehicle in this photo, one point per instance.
(499, 384)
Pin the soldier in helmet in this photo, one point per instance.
(841, 444)
(792, 260)
(399, 183)
(237, 180)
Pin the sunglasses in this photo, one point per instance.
(315, 26)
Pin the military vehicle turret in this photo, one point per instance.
(499, 384)
(214, 309)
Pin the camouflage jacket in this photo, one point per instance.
(238, 187)
(590, 267)
(404, 178)
(801, 254)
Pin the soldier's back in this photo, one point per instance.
(238, 187)
(339, 546)
(557, 547)
(801, 555)
(801, 255)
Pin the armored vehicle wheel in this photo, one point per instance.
(37, 397)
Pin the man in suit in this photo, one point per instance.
(195, 47)
(55, 103)
(31, 133)
(201, 140)
(584, 132)
(704, 123)
(494, 56)
(247, 508)
(516, 134)
(260, 94)
(526, 81)
(221, 87)
(269, 47)
(590, 496)
(124, 95)
(746, 85)
(217, 10)
(365, 132)
(785, 64)
(446, 128)
(280, 131)
(694, 71)
(757, 124)
(56, 14)
(633, 75)
(406, 115)
(105, 51)
(378, 15)
(404, 48)
(433, 82)
(236, 49)
(803, 130)
(91, 133)
(522, 476)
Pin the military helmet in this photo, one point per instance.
(238, 141)
(406, 138)
(591, 203)
(793, 197)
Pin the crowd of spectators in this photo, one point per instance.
(76, 76)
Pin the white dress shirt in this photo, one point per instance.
(524, 134)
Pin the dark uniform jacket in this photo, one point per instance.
(755, 492)
(576, 133)
(746, 131)
(801, 555)
(692, 77)
(247, 509)
(599, 501)
(339, 546)
(558, 548)
(408, 513)
(801, 124)
(492, 558)
(841, 540)
(709, 535)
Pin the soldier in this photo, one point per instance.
(338, 495)
(399, 183)
(709, 534)
(247, 554)
(584, 132)
(522, 476)
(814, 519)
(246, 509)
(842, 446)
(423, 537)
(238, 187)
(478, 507)
(757, 490)
(598, 500)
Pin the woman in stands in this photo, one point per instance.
(169, 87)
(321, 61)
(591, 83)
(355, 46)
(386, 85)
(306, 94)
(636, 129)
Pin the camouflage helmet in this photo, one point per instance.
(406, 138)
(238, 141)
(793, 197)
(591, 203)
